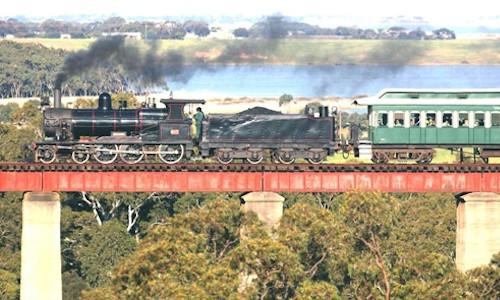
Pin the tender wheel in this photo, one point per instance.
(224, 157)
(131, 154)
(284, 158)
(106, 154)
(316, 156)
(171, 154)
(46, 154)
(80, 155)
(255, 160)
(315, 161)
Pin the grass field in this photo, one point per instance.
(312, 51)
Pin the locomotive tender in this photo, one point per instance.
(105, 133)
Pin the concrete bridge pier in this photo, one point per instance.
(478, 230)
(267, 205)
(40, 247)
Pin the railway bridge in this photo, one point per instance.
(478, 208)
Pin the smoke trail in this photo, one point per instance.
(84, 60)
(148, 67)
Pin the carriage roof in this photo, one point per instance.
(450, 97)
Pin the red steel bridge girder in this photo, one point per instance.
(241, 181)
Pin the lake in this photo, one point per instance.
(321, 81)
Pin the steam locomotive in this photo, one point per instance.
(164, 134)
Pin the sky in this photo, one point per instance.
(432, 10)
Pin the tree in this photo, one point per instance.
(485, 281)
(188, 256)
(106, 249)
(6, 110)
(201, 30)
(241, 32)
(285, 99)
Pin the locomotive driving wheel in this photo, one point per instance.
(80, 154)
(106, 154)
(46, 154)
(131, 154)
(171, 154)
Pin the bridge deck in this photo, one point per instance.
(245, 178)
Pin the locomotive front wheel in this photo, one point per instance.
(46, 154)
(80, 155)
(171, 154)
(106, 154)
(131, 154)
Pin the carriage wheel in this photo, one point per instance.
(46, 154)
(131, 154)
(380, 157)
(106, 154)
(80, 155)
(425, 158)
(171, 154)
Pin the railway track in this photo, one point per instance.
(207, 167)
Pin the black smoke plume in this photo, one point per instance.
(147, 66)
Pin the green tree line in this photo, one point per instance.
(275, 26)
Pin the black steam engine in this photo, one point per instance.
(105, 133)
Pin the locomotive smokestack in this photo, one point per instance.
(57, 98)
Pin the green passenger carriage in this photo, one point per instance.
(410, 124)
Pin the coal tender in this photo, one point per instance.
(254, 133)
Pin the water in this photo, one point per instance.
(321, 81)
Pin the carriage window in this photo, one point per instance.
(495, 119)
(463, 119)
(431, 119)
(399, 119)
(479, 120)
(415, 119)
(382, 119)
(447, 119)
